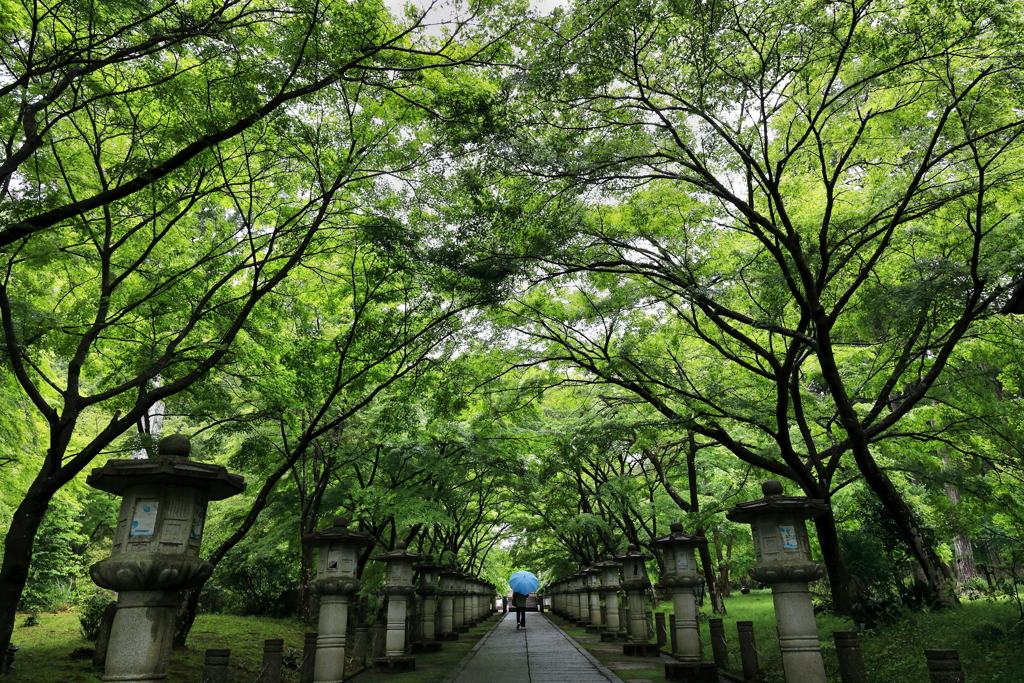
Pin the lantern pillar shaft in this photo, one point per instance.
(141, 635)
(459, 615)
(395, 642)
(684, 602)
(637, 616)
(611, 602)
(447, 614)
(330, 641)
(798, 634)
(429, 611)
(595, 608)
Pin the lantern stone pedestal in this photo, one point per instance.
(682, 577)
(398, 587)
(428, 590)
(783, 560)
(634, 581)
(155, 554)
(335, 582)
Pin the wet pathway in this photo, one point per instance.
(541, 653)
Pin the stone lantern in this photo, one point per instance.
(609, 569)
(336, 581)
(681, 575)
(398, 587)
(428, 589)
(448, 581)
(156, 548)
(634, 581)
(783, 561)
(592, 581)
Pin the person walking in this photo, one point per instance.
(519, 600)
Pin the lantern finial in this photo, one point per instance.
(341, 521)
(401, 545)
(771, 487)
(175, 445)
(676, 527)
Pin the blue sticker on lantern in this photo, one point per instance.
(788, 538)
(144, 519)
(197, 524)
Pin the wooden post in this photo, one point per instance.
(748, 650)
(944, 666)
(672, 632)
(308, 658)
(215, 668)
(659, 619)
(851, 663)
(273, 652)
(719, 648)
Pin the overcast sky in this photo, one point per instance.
(443, 7)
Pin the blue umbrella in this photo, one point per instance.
(523, 582)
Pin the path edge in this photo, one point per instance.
(464, 662)
(605, 671)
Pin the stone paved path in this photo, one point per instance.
(541, 653)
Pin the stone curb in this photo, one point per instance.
(464, 662)
(605, 671)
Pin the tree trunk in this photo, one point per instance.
(936, 573)
(305, 576)
(723, 567)
(18, 547)
(717, 602)
(831, 554)
(185, 617)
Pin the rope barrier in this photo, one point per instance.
(259, 676)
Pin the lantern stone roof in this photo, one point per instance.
(171, 467)
(399, 553)
(633, 553)
(428, 564)
(339, 531)
(607, 562)
(678, 536)
(773, 503)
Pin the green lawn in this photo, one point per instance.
(45, 648)
(980, 631)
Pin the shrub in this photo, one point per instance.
(92, 614)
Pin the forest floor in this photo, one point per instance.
(986, 634)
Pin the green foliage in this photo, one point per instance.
(57, 563)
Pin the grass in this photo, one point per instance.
(45, 650)
(985, 633)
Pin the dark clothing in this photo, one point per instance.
(519, 600)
